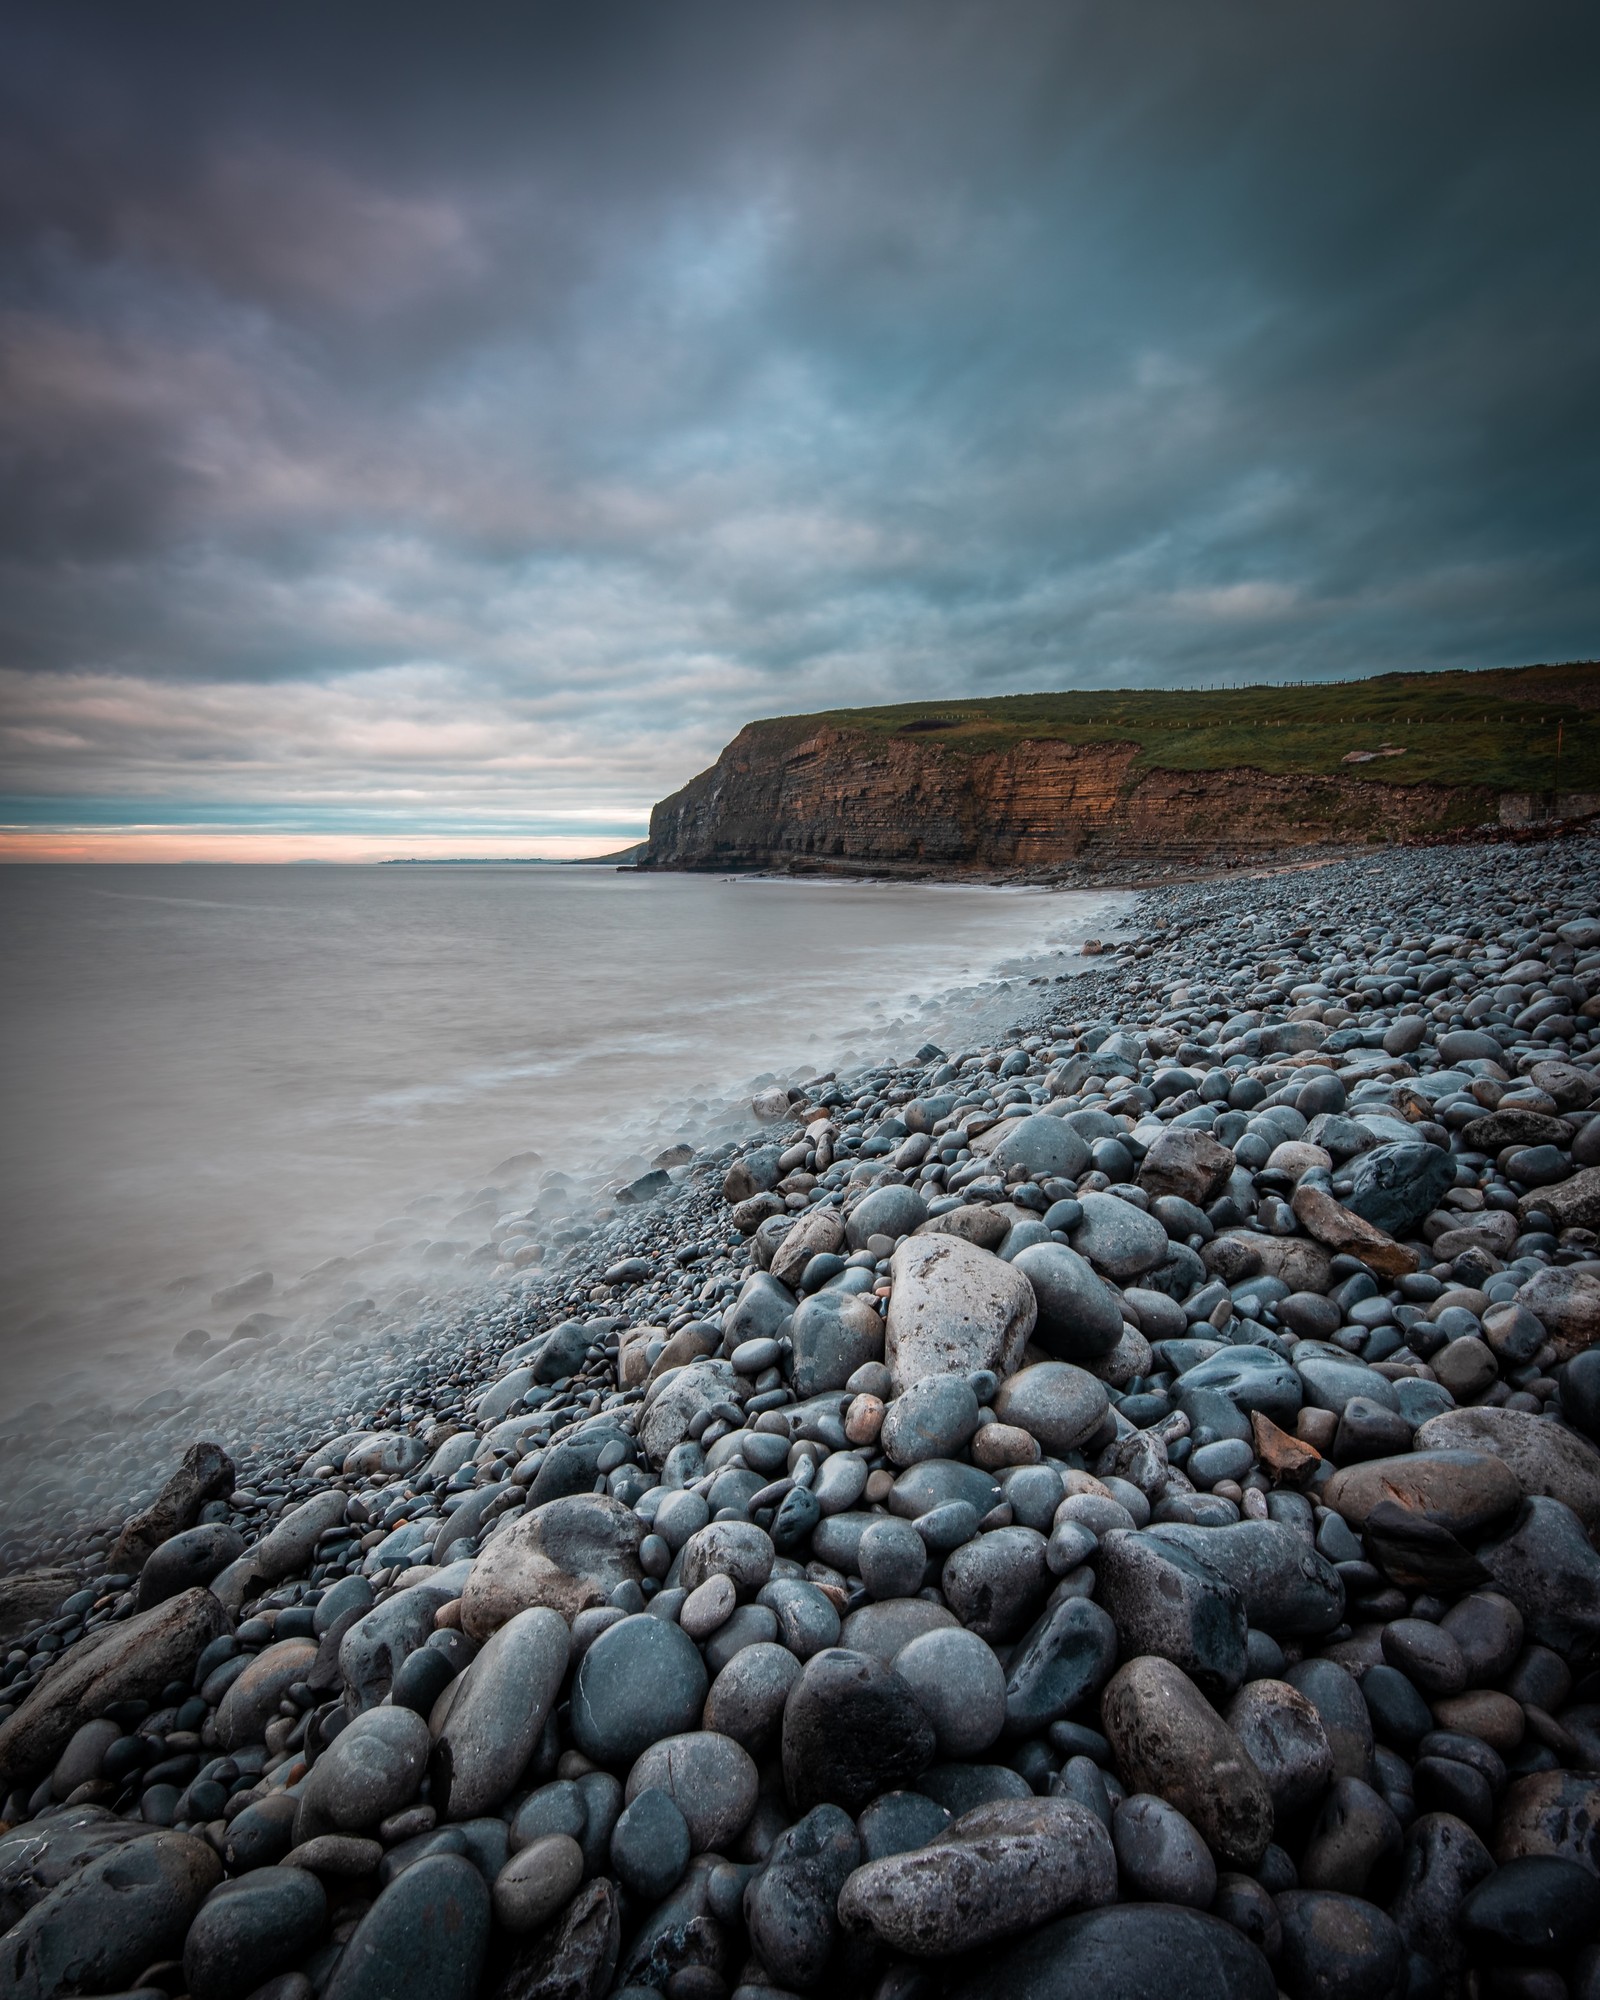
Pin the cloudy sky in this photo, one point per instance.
(438, 429)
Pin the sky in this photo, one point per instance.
(438, 431)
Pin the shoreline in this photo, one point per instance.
(1288, 1201)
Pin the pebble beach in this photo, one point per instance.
(1111, 1508)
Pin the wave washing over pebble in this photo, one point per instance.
(1109, 1510)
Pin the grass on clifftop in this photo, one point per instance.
(1496, 728)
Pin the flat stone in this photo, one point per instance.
(566, 1555)
(674, 1406)
(998, 1871)
(954, 1309)
(1544, 1457)
(888, 1211)
(882, 1629)
(499, 1714)
(1045, 1146)
(1574, 1204)
(1130, 1951)
(284, 1551)
(640, 1681)
(97, 1930)
(1464, 1492)
(373, 1648)
(934, 1418)
(1346, 1234)
(1539, 1907)
(253, 1699)
(937, 1482)
(738, 1550)
(128, 1661)
(1118, 1239)
(1168, 1739)
(425, 1938)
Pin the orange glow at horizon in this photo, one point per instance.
(158, 843)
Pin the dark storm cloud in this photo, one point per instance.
(419, 412)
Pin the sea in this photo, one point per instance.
(217, 1076)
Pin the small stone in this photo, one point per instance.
(933, 1418)
(500, 1712)
(1116, 1238)
(1055, 1402)
(1337, 1947)
(1160, 1856)
(747, 1697)
(252, 1929)
(1426, 1654)
(1540, 1907)
(891, 1558)
(371, 1769)
(1285, 1739)
(566, 1555)
(707, 1606)
(1356, 1838)
(536, 1882)
(650, 1846)
(994, 1584)
(790, 1906)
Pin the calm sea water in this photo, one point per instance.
(213, 1070)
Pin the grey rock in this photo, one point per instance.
(425, 1938)
(566, 1555)
(1063, 1659)
(639, 1682)
(532, 1885)
(573, 1959)
(1356, 1840)
(1546, 1458)
(1078, 1318)
(187, 1561)
(1394, 1187)
(206, 1473)
(1160, 1856)
(1117, 1238)
(834, 1334)
(1443, 1860)
(710, 1778)
(1285, 1586)
(1335, 1695)
(251, 1930)
(650, 1846)
(1283, 1735)
(789, 1908)
(377, 1644)
(499, 1714)
(852, 1728)
(888, 1211)
(994, 1584)
(1128, 1952)
(891, 1557)
(674, 1405)
(1167, 1739)
(1055, 1402)
(98, 1929)
(954, 1309)
(736, 1549)
(996, 1872)
(960, 1687)
(747, 1697)
(1166, 1599)
(129, 1661)
(898, 1822)
(371, 1769)
(1043, 1145)
(253, 1699)
(933, 1418)
(1251, 1378)
(1335, 1944)
(807, 1620)
(1548, 1568)
(939, 1481)
(882, 1629)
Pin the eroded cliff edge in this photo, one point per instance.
(847, 800)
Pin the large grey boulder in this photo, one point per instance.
(954, 1308)
(568, 1555)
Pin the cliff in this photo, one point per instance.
(1035, 783)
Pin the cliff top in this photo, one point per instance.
(1495, 726)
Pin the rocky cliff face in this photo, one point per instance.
(845, 800)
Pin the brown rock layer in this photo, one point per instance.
(841, 798)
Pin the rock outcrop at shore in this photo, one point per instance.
(846, 800)
(1112, 1512)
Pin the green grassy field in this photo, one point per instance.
(1499, 727)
